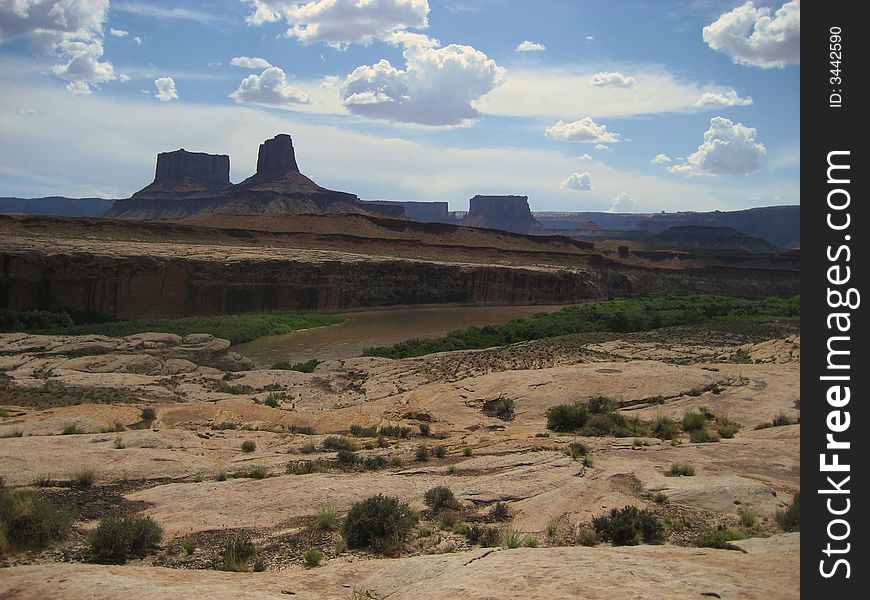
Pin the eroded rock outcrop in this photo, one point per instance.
(508, 213)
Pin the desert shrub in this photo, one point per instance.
(577, 450)
(119, 444)
(501, 408)
(531, 541)
(693, 421)
(307, 366)
(304, 467)
(395, 431)
(728, 430)
(238, 552)
(28, 520)
(229, 388)
(782, 419)
(685, 470)
(696, 391)
(249, 446)
(439, 451)
(567, 417)
(600, 405)
(421, 454)
(374, 463)
(718, 538)
(512, 538)
(198, 478)
(335, 442)
(308, 448)
(586, 536)
(327, 518)
(347, 458)
(664, 428)
(256, 472)
(42, 481)
(189, 547)
(440, 498)
(703, 435)
(273, 400)
(467, 451)
(485, 536)
(312, 557)
(790, 518)
(148, 414)
(629, 526)
(379, 523)
(425, 429)
(447, 519)
(747, 519)
(117, 539)
(301, 429)
(84, 478)
(221, 475)
(500, 511)
(613, 424)
(360, 431)
(661, 498)
(70, 429)
(224, 425)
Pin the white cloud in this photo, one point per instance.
(165, 89)
(661, 159)
(138, 40)
(590, 38)
(612, 79)
(269, 87)
(585, 130)
(622, 202)
(73, 30)
(578, 181)
(341, 22)
(250, 62)
(147, 9)
(729, 149)
(527, 46)
(561, 92)
(603, 148)
(752, 37)
(729, 98)
(437, 86)
(118, 33)
(584, 156)
(123, 78)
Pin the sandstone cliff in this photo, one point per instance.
(507, 213)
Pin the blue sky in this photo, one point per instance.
(598, 105)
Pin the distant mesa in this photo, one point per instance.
(699, 237)
(508, 213)
(192, 183)
(425, 212)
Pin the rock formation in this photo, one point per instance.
(425, 212)
(508, 213)
(188, 172)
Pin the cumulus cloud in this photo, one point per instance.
(527, 46)
(165, 89)
(269, 87)
(612, 79)
(622, 202)
(436, 87)
(341, 22)
(584, 156)
(753, 37)
(661, 159)
(729, 149)
(729, 98)
(585, 130)
(578, 181)
(72, 30)
(118, 33)
(250, 62)
(603, 148)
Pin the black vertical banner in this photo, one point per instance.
(835, 445)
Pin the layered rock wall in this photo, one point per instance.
(212, 171)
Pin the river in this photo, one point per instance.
(367, 328)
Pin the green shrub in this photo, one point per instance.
(485, 536)
(273, 400)
(577, 450)
(500, 511)
(305, 467)
(335, 442)
(301, 429)
(148, 414)
(374, 463)
(379, 523)
(327, 518)
(728, 430)
(512, 539)
(312, 557)
(42, 481)
(664, 428)
(85, 478)
(684, 470)
(395, 431)
(425, 429)
(782, 419)
(703, 435)
(71, 429)
(347, 458)
(221, 475)
(613, 424)
(238, 552)
(30, 521)
(531, 541)
(629, 526)
(257, 472)
(600, 405)
(189, 546)
(747, 519)
(249, 446)
(439, 451)
(360, 431)
(567, 417)
(447, 519)
(308, 448)
(422, 453)
(224, 425)
(719, 538)
(790, 518)
(500, 408)
(693, 421)
(440, 498)
(661, 498)
(117, 539)
(467, 451)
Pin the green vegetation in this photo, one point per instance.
(360, 431)
(189, 546)
(500, 511)
(28, 520)
(566, 417)
(237, 328)
(790, 518)
(421, 454)
(684, 470)
(85, 478)
(640, 314)
(347, 458)
(238, 552)
(693, 421)
(440, 498)
(512, 539)
(249, 446)
(335, 442)
(327, 518)
(303, 367)
(379, 523)
(577, 450)
(719, 538)
(117, 539)
(312, 557)
(701, 436)
(395, 431)
(501, 408)
(748, 519)
(256, 472)
(664, 428)
(779, 420)
(485, 536)
(629, 526)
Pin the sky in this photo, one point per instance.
(604, 105)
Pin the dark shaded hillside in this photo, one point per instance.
(710, 238)
(58, 206)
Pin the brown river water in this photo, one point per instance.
(367, 328)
